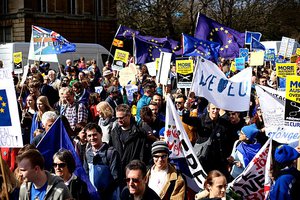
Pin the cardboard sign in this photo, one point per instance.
(151, 68)
(184, 69)
(257, 58)
(127, 76)
(286, 69)
(164, 68)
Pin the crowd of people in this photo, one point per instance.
(120, 143)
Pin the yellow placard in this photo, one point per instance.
(17, 57)
(298, 51)
(286, 69)
(232, 66)
(156, 63)
(293, 88)
(257, 58)
(184, 66)
(121, 55)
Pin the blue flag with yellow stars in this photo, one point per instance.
(4, 110)
(231, 40)
(195, 47)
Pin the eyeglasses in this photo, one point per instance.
(60, 165)
(178, 102)
(121, 118)
(135, 180)
(160, 156)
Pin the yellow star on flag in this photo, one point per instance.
(229, 41)
(217, 29)
(221, 49)
(1, 99)
(3, 104)
(1, 110)
(226, 46)
(226, 31)
(221, 28)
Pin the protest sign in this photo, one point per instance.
(156, 63)
(120, 59)
(127, 76)
(244, 53)
(24, 76)
(18, 62)
(240, 63)
(272, 106)
(164, 68)
(184, 69)
(257, 58)
(298, 51)
(232, 66)
(151, 68)
(286, 69)
(180, 145)
(270, 55)
(250, 184)
(210, 82)
(130, 89)
(98, 89)
(286, 47)
(292, 103)
(10, 128)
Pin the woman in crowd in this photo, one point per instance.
(27, 115)
(106, 120)
(214, 186)
(12, 185)
(64, 165)
(42, 106)
(94, 99)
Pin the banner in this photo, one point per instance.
(180, 145)
(272, 106)
(257, 58)
(250, 184)
(229, 94)
(18, 63)
(120, 59)
(10, 128)
(292, 96)
(286, 69)
(164, 68)
(184, 69)
(46, 41)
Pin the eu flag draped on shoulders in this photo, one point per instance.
(196, 47)
(230, 39)
(47, 42)
(57, 138)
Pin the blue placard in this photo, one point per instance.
(240, 63)
(244, 53)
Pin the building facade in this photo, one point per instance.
(79, 21)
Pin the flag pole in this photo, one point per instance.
(113, 42)
(4, 177)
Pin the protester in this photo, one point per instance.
(163, 177)
(39, 183)
(64, 166)
(12, 184)
(137, 183)
(102, 163)
(285, 174)
(214, 186)
(80, 141)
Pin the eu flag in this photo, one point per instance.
(125, 32)
(47, 41)
(196, 47)
(255, 44)
(4, 109)
(231, 40)
(57, 138)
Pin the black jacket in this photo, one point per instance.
(149, 194)
(133, 145)
(78, 189)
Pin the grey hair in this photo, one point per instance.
(48, 115)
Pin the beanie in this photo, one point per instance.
(250, 131)
(160, 146)
(285, 153)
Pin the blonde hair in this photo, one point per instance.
(11, 181)
(105, 109)
(45, 102)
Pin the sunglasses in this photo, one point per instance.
(135, 180)
(60, 165)
(162, 156)
(178, 102)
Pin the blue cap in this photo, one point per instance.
(285, 153)
(250, 131)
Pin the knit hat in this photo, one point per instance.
(250, 131)
(285, 153)
(159, 146)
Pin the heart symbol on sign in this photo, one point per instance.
(222, 85)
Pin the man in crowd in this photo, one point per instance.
(137, 183)
(39, 184)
